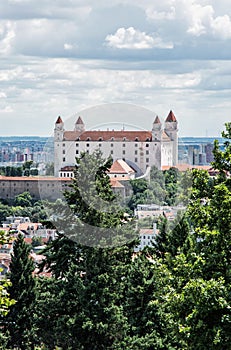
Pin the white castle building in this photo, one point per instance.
(140, 149)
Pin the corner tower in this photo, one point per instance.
(59, 129)
(58, 138)
(156, 129)
(171, 130)
(79, 125)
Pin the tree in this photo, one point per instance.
(49, 168)
(19, 321)
(90, 270)
(171, 184)
(197, 289)
(222, 159)
(161, 242)
(5, 301)
(23, 199)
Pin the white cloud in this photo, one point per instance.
(221, 27)
(2, 94)
(204, 22)
(68, 46)
(6, 109)
(131, 38)
(153, 14)
(7, 35)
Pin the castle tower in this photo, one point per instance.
(58, 137)
(59, 129)
(156, 129)
(172, 131)
(156, 139)
(79, 125)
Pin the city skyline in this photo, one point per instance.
(73, 58)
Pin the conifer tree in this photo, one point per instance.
(19, 321)
(91, 256)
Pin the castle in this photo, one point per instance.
(140, 149)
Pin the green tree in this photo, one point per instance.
(23, 199)
(196, 297)
(90, 272)
(161, 242)
(222, 159)
(19, 321)
(49, 168)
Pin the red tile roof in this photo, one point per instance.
(33, 178)
(120, 167)
(68, 168)
(165, 137)
(171, 117)
(115, 183)
(79, 121)
(184, 167)
(148, 231)
(59, 120)
(110, 135)
(157, 120)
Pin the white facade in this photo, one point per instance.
(140, 149)
(147, 237)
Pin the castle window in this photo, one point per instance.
(64, 151)
(124, 145)
(147, 139)
(78, 139)
(100, 145)
(136, 145)
(63, 144)
(136, 139)
(135, 152)
(112, 138)
(136, 160)
(100, 139)
(147, 144)
(147, 152)
(87, 144)
(123, 151)
(147, 160)
(112, 144)
(124, 138)
(77, 145)
(111, 152)
(88, 139)
(77, 151)
(64, 159)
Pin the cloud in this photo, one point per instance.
(202, 21)
(7, 35)
(131, 38)
(68, 46)
(221, 27)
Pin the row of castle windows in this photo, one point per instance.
(112, 144)
(77, 152)
(136, 159)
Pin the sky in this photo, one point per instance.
(76, 57)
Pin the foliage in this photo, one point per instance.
(19, 321)
(23, 199)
